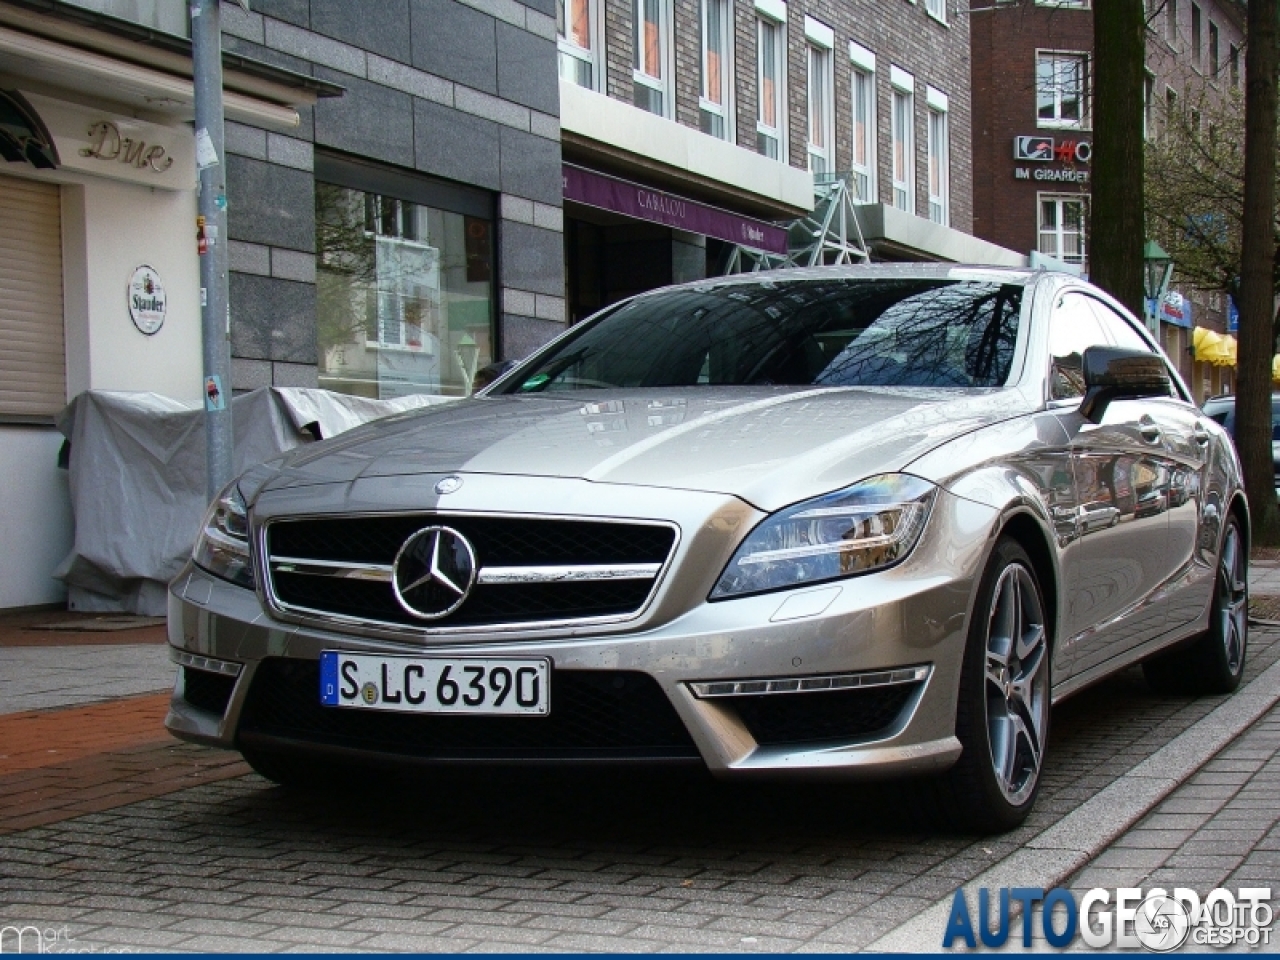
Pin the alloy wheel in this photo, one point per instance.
(1017, 673)
(1233, 598)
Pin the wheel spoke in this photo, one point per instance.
(1016, 678)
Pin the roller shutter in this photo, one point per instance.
(33, 371)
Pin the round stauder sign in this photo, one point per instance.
(147, 300)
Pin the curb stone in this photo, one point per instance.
(1049, 858)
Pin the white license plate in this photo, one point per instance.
(474, 685)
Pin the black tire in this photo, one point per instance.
(972, 795)
(1212, 662)
(294, 773)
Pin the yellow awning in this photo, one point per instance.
(1213, 347)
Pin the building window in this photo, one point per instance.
(578, 26)
(939, 160)
(1061, 89)
(1234, 66)
(864, 134)
(821, 110)
(717, 71)
(1214, 63)
(1148, 99)
(769, 108)
(653, 46)
(404, 295)
(1062, 232)
(937, 9)
(1171, 22)
(902, 130)
(1196, 53)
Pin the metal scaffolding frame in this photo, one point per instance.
(827, 236)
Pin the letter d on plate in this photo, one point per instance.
(329, 678)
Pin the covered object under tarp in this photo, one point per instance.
(137, 477)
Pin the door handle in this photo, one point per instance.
(1199, 434)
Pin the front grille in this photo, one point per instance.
(498, 542)
(594, 714)
(826, 715)
(207, 691)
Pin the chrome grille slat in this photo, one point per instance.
(381, 573)
(531, 571)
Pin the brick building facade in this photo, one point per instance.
(1031, 92)
(715, 103)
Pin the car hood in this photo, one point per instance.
(768, 445)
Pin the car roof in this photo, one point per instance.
(879, 271)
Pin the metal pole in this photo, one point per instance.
(211, 234)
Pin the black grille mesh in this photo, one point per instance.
(207, 691)
(779, 718)
(594, 714)
(497, 541)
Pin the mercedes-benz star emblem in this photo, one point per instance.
(448, 485)
(433, 572)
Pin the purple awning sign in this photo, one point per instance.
(659, 206)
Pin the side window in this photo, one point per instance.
(1118, 328)
(1073, 328)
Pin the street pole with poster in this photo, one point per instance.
(211, 240)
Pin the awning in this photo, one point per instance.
(658, 206)
(1214, 348)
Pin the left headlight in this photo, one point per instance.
(223, 545)
(866, 527)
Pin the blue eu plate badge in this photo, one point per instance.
(329, 678)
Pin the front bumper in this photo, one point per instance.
(913, 615)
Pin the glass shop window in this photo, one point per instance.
(404, 295)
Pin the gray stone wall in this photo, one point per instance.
(462, 90)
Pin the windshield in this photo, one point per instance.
(841, 332)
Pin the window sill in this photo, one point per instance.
(1059, 125)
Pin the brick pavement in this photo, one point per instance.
(129, 838)
(554, 862)
(37, 677)
(1219, 829)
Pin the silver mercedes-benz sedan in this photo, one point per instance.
(844, 522)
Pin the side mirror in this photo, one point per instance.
(1114, 373)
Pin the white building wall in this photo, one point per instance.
(35, 516)
(109, 227)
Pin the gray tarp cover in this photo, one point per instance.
(137, 479)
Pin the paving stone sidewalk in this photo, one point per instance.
(160, 845)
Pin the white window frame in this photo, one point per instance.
(1057, 122)
(666, 55)
(820, 39)
(724, 109)
(903, 139)
(570, 51)
(939, 153)
(936, 9)
(772, 13)
(1058, 233)
(862, 94)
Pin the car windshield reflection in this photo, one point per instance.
(841, 333)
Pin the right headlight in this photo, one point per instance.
(223, 545)
(866, 527)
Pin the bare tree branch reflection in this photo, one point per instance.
(839, 332)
